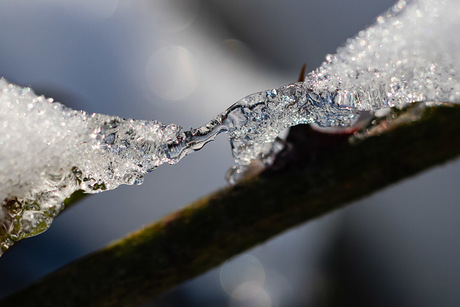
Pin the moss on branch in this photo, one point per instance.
(319, 174)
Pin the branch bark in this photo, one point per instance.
(320, 173)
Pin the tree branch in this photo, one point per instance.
(319, 174)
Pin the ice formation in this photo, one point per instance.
(49, 151)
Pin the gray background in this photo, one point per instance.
(183, 62)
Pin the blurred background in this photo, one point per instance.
(184, 61)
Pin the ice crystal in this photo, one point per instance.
(49, 151)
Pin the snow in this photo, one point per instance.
(49, 151)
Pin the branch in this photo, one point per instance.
(320, 174)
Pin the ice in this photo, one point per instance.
(411, 54)
(48, 151)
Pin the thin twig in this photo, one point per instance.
(319, 174)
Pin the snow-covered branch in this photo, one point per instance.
(49, 151)
(321, 173)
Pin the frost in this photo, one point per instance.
(49, 151)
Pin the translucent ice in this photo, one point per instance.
(49, 151)
(411, 54)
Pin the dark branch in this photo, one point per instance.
(319, 174)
